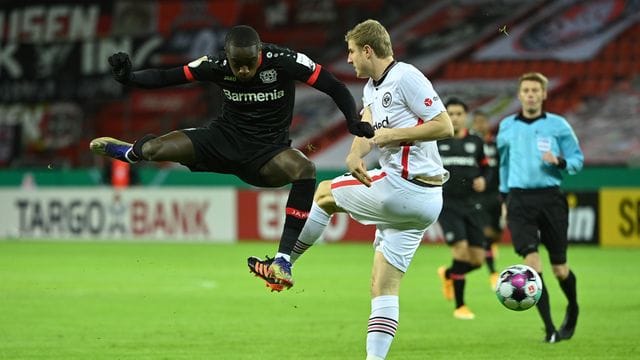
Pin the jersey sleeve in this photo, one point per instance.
(503, 153)
(299, 66)
(205, 68)
(420, 95)
(570, 148)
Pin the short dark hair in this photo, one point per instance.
(242, 36)
(456, 101)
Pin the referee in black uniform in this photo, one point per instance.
(535, 148)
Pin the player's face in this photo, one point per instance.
(531, 95)
(243, 61)
(458, 117)
(356, 57)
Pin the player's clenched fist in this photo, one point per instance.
(120, 67)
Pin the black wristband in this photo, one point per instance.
(562, 163)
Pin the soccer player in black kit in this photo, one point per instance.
(251, 137)
(461, 216)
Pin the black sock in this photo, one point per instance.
(544, 309)
(489, 258)
(568, 286)
(136, 151)
(298, 206)
(457, 274)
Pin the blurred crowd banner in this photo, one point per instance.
(566, 30)
(610, 217)
(58, 49)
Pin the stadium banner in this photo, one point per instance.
(620, 224)
(569, 30)
(261, 217)
(82, 213)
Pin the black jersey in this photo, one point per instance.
(465, 159)
(261, 108)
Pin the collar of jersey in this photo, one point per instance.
(521, 117)
(384, 73)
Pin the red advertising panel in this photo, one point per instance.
(261, 217)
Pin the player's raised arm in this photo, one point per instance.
(328, 84)
(121, 69)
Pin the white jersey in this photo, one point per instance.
(405, 98)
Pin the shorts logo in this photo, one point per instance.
(470, 148)
(386, 99)
(269, 76)
(428, 102)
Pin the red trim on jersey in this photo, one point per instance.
(484, 161)
(350, 182)
(312, 79)
(187, 73)
(297, 213)
(406, 148)
(405, 161)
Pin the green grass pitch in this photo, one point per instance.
(68, 300)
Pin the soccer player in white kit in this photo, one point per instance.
(402, 198)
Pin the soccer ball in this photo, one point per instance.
(519, 287)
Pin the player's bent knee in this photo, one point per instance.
(307, 170)
(324, 197)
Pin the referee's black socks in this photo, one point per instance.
(568, 286)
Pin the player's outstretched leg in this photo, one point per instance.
(113, 148)
(276, 273)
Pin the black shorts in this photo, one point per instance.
(461, 220)
(222, 151)
(491, 210)
(537, 216)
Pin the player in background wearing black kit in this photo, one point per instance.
(461, 216)
(251, 137)
(490, 198)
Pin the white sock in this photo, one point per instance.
(383, 323)
(311, 232)
(283, 255)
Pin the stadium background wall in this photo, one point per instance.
(169, 206)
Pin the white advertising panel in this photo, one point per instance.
(167, 214)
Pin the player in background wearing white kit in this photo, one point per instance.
(402, 198)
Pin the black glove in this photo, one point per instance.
(120, 67)
(361, 128)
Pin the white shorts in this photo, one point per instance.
(400, 209)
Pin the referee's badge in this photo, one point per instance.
(269, 76)
(470, 148)
(386, 99)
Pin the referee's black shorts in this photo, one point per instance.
(220, 150)
(537, 216)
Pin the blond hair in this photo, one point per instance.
(371, 32)
(534, 76)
